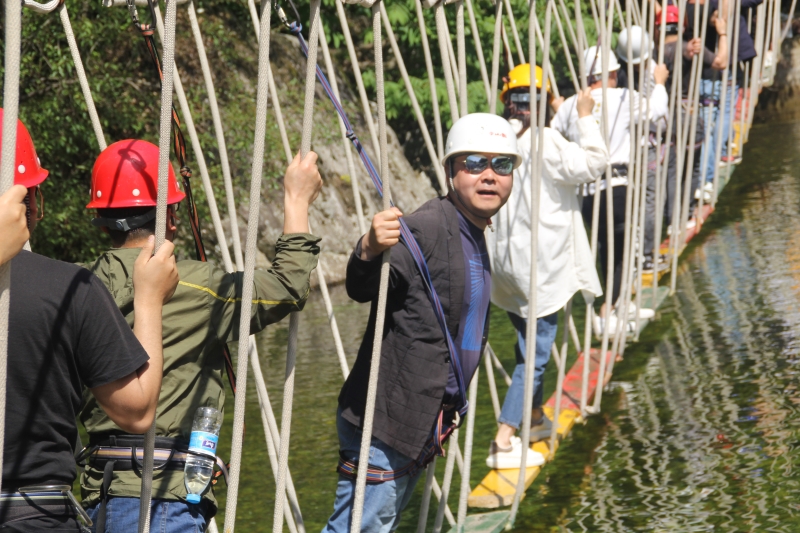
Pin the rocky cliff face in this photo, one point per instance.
(333, 214)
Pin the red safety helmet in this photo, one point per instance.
(27, 170)
(126, 175)
(673, 15)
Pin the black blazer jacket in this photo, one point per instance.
(415, 361)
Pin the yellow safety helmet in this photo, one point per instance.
(520, 76)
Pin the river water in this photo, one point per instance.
(699, 429)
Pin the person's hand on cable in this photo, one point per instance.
(13, 223)
(661, 74)
(556, 103)
(694, 47)
(155, 277)
(301, 186)
(585, 103)
(382, 235)
(719, 24)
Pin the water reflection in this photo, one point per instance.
(705, 424)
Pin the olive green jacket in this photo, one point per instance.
(200, 318)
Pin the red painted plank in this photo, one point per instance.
(571, 398)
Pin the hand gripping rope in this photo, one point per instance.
(439, 433)
(179, 145)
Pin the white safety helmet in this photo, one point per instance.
(593, 61)
(641, 45)
(482, 133)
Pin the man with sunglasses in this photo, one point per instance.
(421, 387)
(197, 323)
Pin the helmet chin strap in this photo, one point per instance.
(28, 209)
(466, 207)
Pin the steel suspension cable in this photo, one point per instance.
(262, 96)
(537, 152)
(372, 388)
(82, 80)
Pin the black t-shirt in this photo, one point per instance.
(65, 333)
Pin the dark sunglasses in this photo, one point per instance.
(503, 165)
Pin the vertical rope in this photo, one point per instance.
(448, 477)
(220, 135)
(84, 82)
(423, 128)
(722, 103)
(430, 473)
(262, 97)
(561, 363)
(735, 97)
(512, 21)
(498, 25)
(362, 92)
(372, 388)
(465, 488)
(476, 37)
(291, 351)
(492, 385)
(537, 151)
(346, 144)
(11, 64)
(437, 119)
(168, 63)
(441, 30)
(462, 59)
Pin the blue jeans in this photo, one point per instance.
(166, 516)
(546, 327)
(383, 502)
(712, 90)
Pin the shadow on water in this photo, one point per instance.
(700, 427)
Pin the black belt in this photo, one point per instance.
(619, 171)
(40, 501)
(111, 453)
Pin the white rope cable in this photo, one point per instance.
(220, 135)
(735, 97)
(441, 30)
(446, 481)
(507, 46)
(347, 146)
(762, 34)
(423, 128)
(165, 131)
(605, 40)
(362, 92)
(785, 31)
(567, 54)
(492, 385)
(262, 96)
(430, 477)
(82, 80)
(11, 66)
(722, 104)
(537, 151)
(498, 25)
(476, 37)
(498, 365)
(468, 439)
(372, 388)
(451, 55)
(462, 59)
(437, 119)
(561, 362)
(517, 43)
(294, 319)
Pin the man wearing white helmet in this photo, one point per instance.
(423, 379)
(616, 108)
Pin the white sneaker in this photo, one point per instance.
(644, 313)
(500, 458)
(611, 322)
(709, 187)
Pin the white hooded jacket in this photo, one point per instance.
(565, 265)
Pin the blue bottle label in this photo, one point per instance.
(203, 442)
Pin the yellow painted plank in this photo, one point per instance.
(498, 487)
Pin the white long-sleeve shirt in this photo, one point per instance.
(619, 117)
(564, 259)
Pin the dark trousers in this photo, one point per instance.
(619, 194)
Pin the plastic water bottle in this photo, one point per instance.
(203, 447)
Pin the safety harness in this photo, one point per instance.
(450, 417)
(41, 501)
